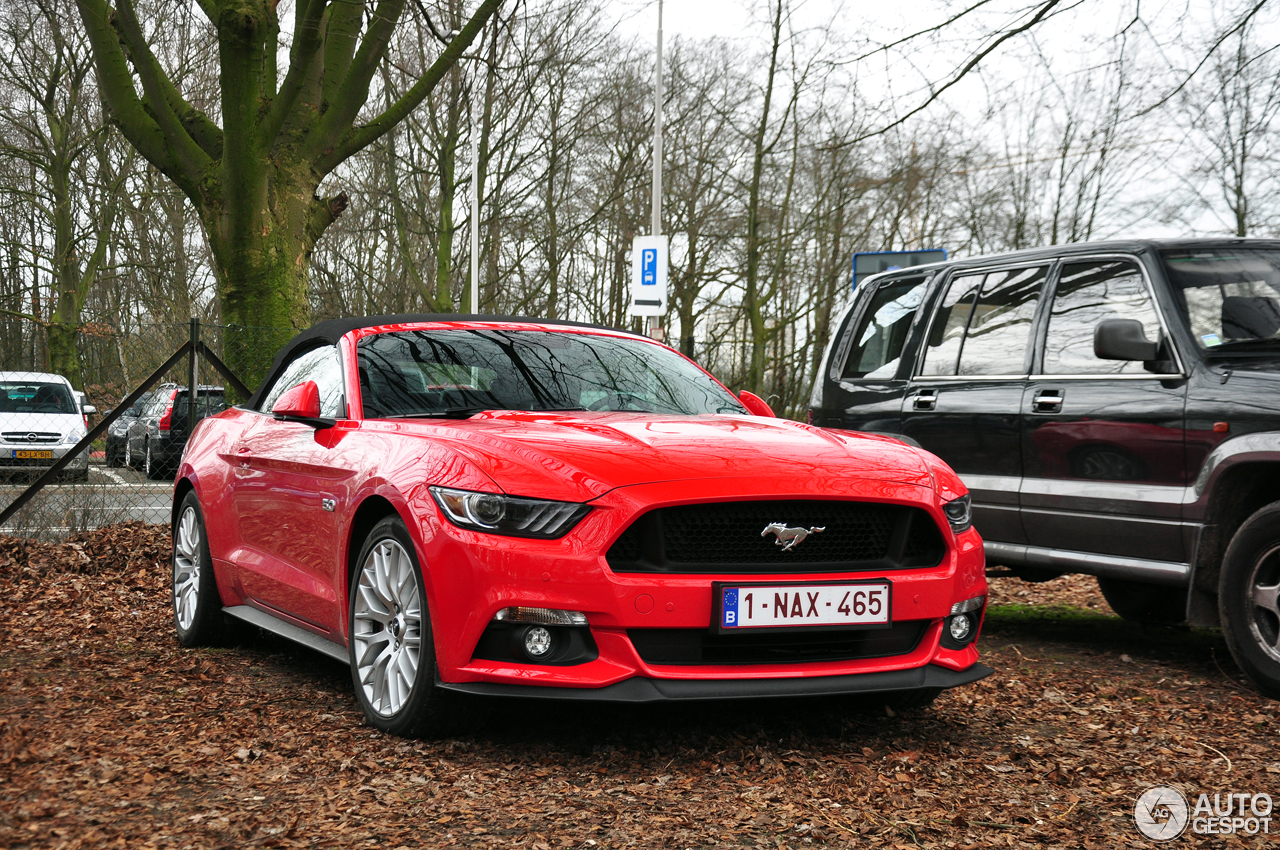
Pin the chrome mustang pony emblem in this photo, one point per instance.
(789, 537)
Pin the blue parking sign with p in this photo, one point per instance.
(649, 267)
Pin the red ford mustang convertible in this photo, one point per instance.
(510, 507)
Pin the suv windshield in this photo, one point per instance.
(459, 372)
(35, 397)
(1229, 296)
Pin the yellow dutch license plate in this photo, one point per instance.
(33, 454)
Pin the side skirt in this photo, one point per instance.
(289, 631)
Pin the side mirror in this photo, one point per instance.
(1123, 339)
(301, 404)
(755, 405)
(89, 410)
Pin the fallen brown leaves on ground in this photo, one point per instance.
(111, 734)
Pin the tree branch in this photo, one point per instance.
(357, 138)
(183, 123)
(116, 86)
(343, 98)
(1208, 54)
(1045, 9)
(302, 57)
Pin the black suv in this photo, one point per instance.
(156, 438)
(1113, 407)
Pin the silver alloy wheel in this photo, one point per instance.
(186, 569)
(128, 454)
(1264, 603)
(387, 627)
(148, 459)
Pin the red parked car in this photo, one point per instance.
(511, 507)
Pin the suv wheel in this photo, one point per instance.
(1249, 598)
(152, 466)
(1152, 604)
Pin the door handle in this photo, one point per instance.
(925, 400)
(1047, 401)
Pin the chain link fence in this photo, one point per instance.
(72, 461)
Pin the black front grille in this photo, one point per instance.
(699, 646)
(731, 537)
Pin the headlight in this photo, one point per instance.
(510, 515)
(959, 513)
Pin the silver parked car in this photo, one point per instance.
(40, 421)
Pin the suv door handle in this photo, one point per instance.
(925, 400)
(1047, 401)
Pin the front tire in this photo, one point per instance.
(128, 454)
(1149, 604)
(393, 660)
(1249, 599)
(197, 607)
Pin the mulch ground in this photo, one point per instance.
(111, 734)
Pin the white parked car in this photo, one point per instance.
(41, 419)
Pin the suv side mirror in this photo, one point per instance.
(1123, 339)
(755, 405)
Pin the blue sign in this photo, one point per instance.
(867, 264)
(649, 267)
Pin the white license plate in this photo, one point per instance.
(772, 606)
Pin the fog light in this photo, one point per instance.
(960, 628)
(537, 642)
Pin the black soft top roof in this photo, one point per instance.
(330, 331)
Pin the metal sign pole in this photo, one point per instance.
(475, 205)
(656, 228)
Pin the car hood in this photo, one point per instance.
(580, 456)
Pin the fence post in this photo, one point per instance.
(192, 386)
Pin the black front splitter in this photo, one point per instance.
(642, 690)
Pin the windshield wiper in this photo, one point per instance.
(447, 413)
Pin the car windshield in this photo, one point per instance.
(35, 397)
(460, 372)
(1229, 296)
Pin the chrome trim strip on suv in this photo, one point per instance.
(1102, 376)
(1109, 566)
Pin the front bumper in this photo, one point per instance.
(470, 576)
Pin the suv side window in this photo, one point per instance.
(946, 335)
(1086, 294)
(996, 342)
(879, 338)
(319, 365)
